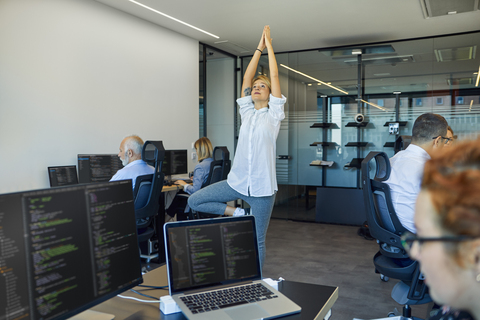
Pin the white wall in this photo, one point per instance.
(77, 76)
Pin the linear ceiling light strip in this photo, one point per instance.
(478, 77)
(374, 105)
(319, 81)
(174, 19)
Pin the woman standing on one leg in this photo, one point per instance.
(253, 175)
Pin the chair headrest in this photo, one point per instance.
(382, 172)
(152, 152)
(221, 153)
(382, 167)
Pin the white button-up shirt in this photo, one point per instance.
(132, 171)
(405, 181)
(253, 172)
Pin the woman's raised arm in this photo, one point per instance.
(272, 64)
(252, 68)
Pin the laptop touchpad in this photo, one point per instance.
(251, 311)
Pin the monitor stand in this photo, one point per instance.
(92, 315)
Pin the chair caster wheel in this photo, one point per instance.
(384, 279)
(391, 314)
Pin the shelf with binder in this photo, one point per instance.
(321, 163)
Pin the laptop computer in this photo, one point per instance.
(214, 271)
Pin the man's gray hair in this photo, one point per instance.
(134, 143)
(428, 126)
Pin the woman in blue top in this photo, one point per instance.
(253, 175)
(204, 150)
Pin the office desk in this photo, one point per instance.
(172, 188)
(315, 300)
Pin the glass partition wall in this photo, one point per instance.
(344, 102)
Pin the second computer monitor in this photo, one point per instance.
(97, 167)
(62, 175)
(175, 162)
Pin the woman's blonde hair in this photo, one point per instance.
(264, 79)
(204, 148)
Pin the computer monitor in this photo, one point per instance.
(62, 175)
(66, 249)
(175, 162)
(97, 167)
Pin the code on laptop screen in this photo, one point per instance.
(212, 254)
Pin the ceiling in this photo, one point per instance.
(305, 24)
(298, 26)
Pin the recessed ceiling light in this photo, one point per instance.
(174, 19)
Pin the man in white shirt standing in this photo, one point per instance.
(131, 156)
(429, 132)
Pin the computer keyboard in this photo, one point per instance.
(172, 182)
(214, 300)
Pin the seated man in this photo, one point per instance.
(131, 156)
(429, 132)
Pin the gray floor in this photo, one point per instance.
(332, 255)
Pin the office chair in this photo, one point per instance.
(391, 260)
(219, 169)
(147, 197)
(401, 143)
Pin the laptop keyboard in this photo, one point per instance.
(219, 299)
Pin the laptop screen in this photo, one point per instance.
(211, 252)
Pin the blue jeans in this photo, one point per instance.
(212, 199)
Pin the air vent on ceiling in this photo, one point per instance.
(438, 8)
(455, 54)
(383, 60)
(384, 49)
(230, 46)
(460, 81)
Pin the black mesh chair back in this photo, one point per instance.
(219, 169)
(391, 261)
(382, 220)
(148, 189)
(220, 166)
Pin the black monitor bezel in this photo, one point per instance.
(97, 300)
(203, 222)
(67, 166)
(81, 155)
(168, 160)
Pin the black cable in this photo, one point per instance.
(154, 287)
(145, 295)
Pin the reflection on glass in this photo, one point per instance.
(427, 75)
